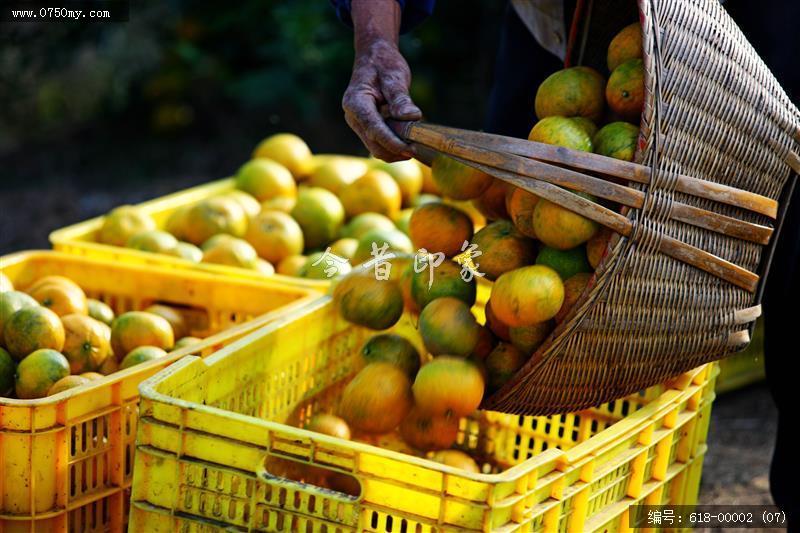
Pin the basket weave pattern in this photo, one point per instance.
(713, 111)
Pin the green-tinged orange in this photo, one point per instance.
(486, 343)
(519, 205)
(573, 288)
(571, 92)
(366, 222)
(503, 248)
(528, 295)
(154, 241)
(66, 383)
(561, 131)
(448, 386)
(426, 433)
(141, 354)
(446, 281)
(185, 342)
(290, 266)
(10, 303)
(329, 424)
(345, 247)
(61, 298)
(586, 125)
(560, 228)
(137, 328)
(566, 262)
(371, 243)
(456, 459)
(428, 184)
(492, 203)
(231, 251)
(5, 283)
(528, 338)
(497, 326)
(617, 140)
(8, 369)
(188, 251)
(39, 371)
(364, 300)
(87, 343)
(121, 223)
(377, 399)
(501, 365)
(246, 201)
(289, 150)
(374, 192)
(439, 227)
(100, 311)
(275, 235)
(596, 246)
(320, 215)
(337, 173)
(265, 179)
(447, 326)
(403, 220)
(172, 315)
(625, 45)
(213, 216)
(408, 176)
(457, 180)
(625, 90)
(33, 328)
(323, 265)
(394, 349)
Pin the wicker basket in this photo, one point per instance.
(713, 112)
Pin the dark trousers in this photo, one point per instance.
(522, 65)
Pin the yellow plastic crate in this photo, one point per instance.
(209, 426)
(81, 239)
(744, 368)
(66, 461)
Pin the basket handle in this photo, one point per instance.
(299, 475)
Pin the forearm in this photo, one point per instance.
(375, 21)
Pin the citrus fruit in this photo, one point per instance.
(335, 174)
(456, 459)
(320, 215)
(406, 174)
(121, 223)
(447, 326)
(361, 299)
(140, 355)
(39, 371)
(230, 251)
(5, 283)
(561, 131)
(33, 328)
(61, 298)
(497, 326)
(428, 184)
(8, 369)
(188, 251)
(321, 265)
(503, 248)
(566, 262)
(87, 343)
(501, 365)
(91, 376)
(110, 366)
(365, 222)
(439, 227)
(485, 345)
(176, 320)
(447, 281)
(405, 287)
(265, 179)
(457, 180)
(519, 205)
(527, 295)
(154, 241)
(560, 228)
(586, 125)
(290, 266)
(403, 220)
(528, 338)
(100, 311)
(137, 328)
(573, 288)
(370, 244)
(425, 198)
(596, 246)
(374, 192)
(176, 222)
(10, 303)
(279, 203)
(448, 386)
(246, 201)
(345, 247)
(377, 399)
(394, 349)
(52, 280)
(185, 342)
(329, 424)
(66, 383)
(492, 203)
(274, 235)
(571, 92)
(617, 140)
(213, 216)
(625, 45)
(625, 90)
(262, 266)
(287, 149)
(425, 432)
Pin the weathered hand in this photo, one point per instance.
(380, 82)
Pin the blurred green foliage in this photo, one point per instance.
(254, 66)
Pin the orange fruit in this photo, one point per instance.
(361, 224)
(528, 295)
(440, 228)
(428, 184)
(52, 280)
(361, 299)
(520, 204)
(188, 251)
(318, 266)
(154, 241)
(100, 311)
(279, 203)
(566, 262)
(625, 90)
(448, 386)
(528, 338)
(425, 198)
(456, 459)
(121, 223)
(176, 320)
(329, 424)
(290, 266)
(92, 376)
(31, 329)
(289, 150)
(275, 235)
(265, 179)
(10, 303)
(501, 365)
(264, 267)
(571, 92)
(8, 370)
(403, 220)
(246, 201)
(561, 131)
(66, 383)
(320, 214)
(485, 345)
(503, 248)
(457, 180)
(184, 342)
(497, 326)
(176, 222)
(375, 191)
(408, 176)
(447, 326)
(335, 174)
(230, 251)
(345, 247)
(87, 343)
(573, 288)
(586, 125)
(394, 239)
(394, 349)
(141, 354)
(425, 432)
(110, 366)
(596, 246)
(447, 281)
(213, 216)
(492, 203)
(5, 283)
(137, 328)
(560, 228)
(617, 140)
(625, 45)
(39, 371)
(61, 298)
(377, 399)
